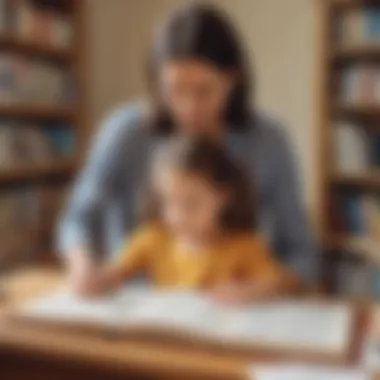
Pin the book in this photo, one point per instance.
(50, 200)
(32, 21)
(7, 143)
(354, 217)
(61, 139)
(300, 371)
(371, 25)
(371, 353)
(359, 26)
(351, 149)
(4, 16)
(34, 144)
(303, 326)
(359, 84)
(34, 81)
(355, 278)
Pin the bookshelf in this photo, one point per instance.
(44, 38)
(25, 172)
(11, 43)
(38, 112)
(350, 111)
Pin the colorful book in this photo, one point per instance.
(350, 145)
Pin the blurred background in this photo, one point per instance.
(65, 64)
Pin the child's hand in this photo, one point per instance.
(234, 293)
(244, 293)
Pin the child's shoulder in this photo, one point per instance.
(245, 240)
(152, 232)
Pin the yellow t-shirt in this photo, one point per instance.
(153, 251)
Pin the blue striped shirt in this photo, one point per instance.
(102, 208)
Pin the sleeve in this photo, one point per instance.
(260, 264)
(81, 221)
(137, 253)
(293, 239)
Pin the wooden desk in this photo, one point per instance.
(58, 354)
(54, 356)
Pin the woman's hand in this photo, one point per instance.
(82, 272)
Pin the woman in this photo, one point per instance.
(200, 85)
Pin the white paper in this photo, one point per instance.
(301, 325)
(285, 324)
(371, 354)
(306, 372)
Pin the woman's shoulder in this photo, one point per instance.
(271, 134)
(268, 126)
(126, 122)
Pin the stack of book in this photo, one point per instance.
(51, 200)
(359, 26)
(41, 24)
(360, 84)
(4, 16)
(356, 149)
(25, 213)
(18, 216)
(22, 144)
(356, 214)
(358, 278)
(29, 81)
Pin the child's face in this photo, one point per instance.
(190, 205)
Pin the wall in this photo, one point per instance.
(280, 37)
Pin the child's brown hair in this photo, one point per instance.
(210, 160)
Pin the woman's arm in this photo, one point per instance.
(294, 243)
(80, 232)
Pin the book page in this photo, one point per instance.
(129, 306)
(302, 325)
(286, 324)
(306, 372)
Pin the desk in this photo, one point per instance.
(56, 355)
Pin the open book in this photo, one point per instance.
(313, 327)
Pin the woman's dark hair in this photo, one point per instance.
(201, 32)
(211, 161)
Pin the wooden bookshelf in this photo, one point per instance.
(366, 181)
(31, 172)
(56, 173)
(35, 48)
(334, 59)
(356, 52)
(348, 3)
(38, 112)
(364, 109)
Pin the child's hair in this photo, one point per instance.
(210, 160)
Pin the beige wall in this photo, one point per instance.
(280, 37)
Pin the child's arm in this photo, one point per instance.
(261, 277)
(133, 259)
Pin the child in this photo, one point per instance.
(200, 229)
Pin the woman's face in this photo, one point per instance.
(196, 93)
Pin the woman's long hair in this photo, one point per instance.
(201, 32)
